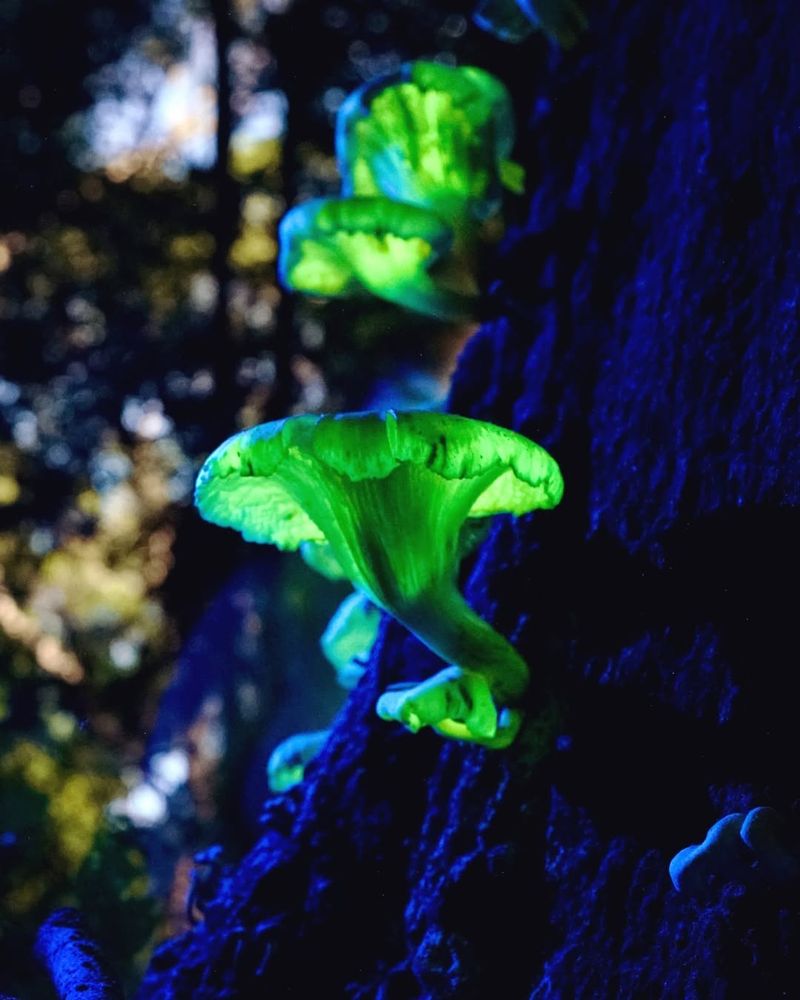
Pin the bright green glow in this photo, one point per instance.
(389, 494)
(456, 703)
(342, 246)
(431, 135)
(382, 261)
(320, 558)
(344, 261)
(349, 637)
(513, 176)
(288, 761)
(321, 270)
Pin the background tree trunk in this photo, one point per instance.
(224, 224)
(646, 333)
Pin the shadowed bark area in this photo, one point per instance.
(646, 334)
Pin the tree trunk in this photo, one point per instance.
(224, 225)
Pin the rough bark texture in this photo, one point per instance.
(647, 335)
(75, 963)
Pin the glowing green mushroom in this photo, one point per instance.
(288, 761)
(340, 247)
(389, 493)
(351, 633)
(349, 637)
(321, 558)
(431, 135)
(562, 21)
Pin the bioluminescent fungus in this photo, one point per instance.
(351, 633)
(349, 637)
(562, 21)
(719, 856)
(321, 559)
(389, 493)
(341, 247)
(288, 761)
(431, 135)
(751, 849)
(457, 703)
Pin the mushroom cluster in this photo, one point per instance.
(753, 849)
(386, 496)
(562, 21)
(423, 155)
(389, 500)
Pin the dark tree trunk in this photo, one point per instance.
(224, 224)
(648, 338)
(291, 49)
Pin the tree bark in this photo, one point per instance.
(76, 967)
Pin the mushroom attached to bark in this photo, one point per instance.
(288, 761)
(341, 247)
(349, 637)
(431, 135)
(389, 493)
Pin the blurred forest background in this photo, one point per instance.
(149, 663)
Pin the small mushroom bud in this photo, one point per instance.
(288, 761)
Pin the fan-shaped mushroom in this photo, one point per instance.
(389, 493)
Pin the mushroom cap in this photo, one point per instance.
(264, 481)
(336, 246)
(427, 134)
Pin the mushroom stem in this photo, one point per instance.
(447, 624)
